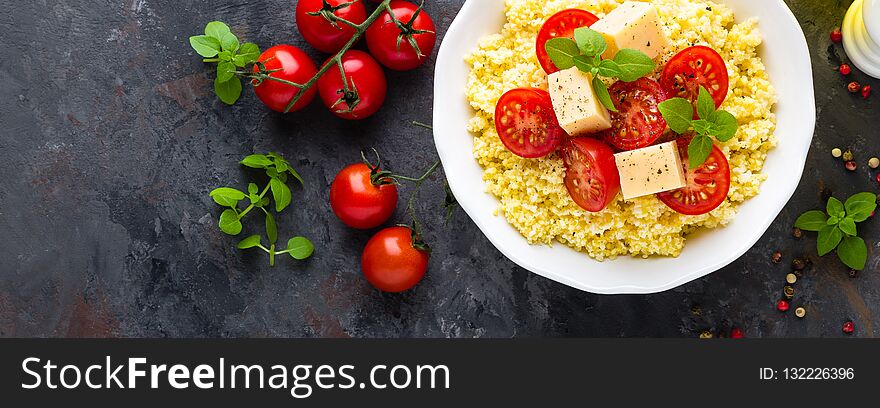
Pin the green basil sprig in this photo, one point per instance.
(219, 45)
(720, 124)
(837, 228)
(585, 53)
(278, 170)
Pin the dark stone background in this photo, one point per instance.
(111, 140)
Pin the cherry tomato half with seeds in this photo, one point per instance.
(358, 202)
(293, 65)
(692, 68)
(561, 24)
(391, 44)
(707, 185)
(637, 122)
(391, 262)
(366, 82)
(591, 175)
(318, 31)
(526, 123)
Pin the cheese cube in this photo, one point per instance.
(575, 102)
(635, 25)
(650, 170)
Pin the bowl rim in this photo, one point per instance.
(475, 211)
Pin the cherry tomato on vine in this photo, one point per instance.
(561, 24)
(526, 123)
(359, 202)
(707, 185)
(591, 176)
(294, 66)
(366, 87)
(392, 44)
(319, 31)
(637, 122)
(692, 68)
(394, 260)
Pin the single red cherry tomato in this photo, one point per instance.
(707, 185)
(293, 65)
(366, 87)
(561, 24)
(318, 31)
(591, 175)
(358, 202)
(391, 262)
(692, 68)
(390, 43)
(527, 124)
(637, 122)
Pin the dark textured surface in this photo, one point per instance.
(112, 139)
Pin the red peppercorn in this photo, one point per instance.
(845, 69)
(849, 327)
(782, 305)
(736, 333)
(854, 87)
(836, 35)
(878, 178)
(866, 91)
(851, 165)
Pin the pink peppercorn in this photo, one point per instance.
(853, 87)
(836, 35)
(851, 165)
(845, 69)
(736, 333)
(866, 91)
(849, 327)
(782, 305)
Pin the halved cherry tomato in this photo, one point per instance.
(692, 68)
(561, 24)
(526, 123)
(392, 262)
(591, 176)
(707, 185)
(637, 122)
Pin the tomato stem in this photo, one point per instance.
(251, 207)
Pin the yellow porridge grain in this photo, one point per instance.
(531, 193)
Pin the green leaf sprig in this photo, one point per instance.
(219, 45)
(837, 228)
(278, 170)
(585, 53)
(720, 124)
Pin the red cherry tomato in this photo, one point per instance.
(637, 122)
(319, 31)
(561, 24)
(526, 123)
(366, 85)
(294, 66)
(391, 263)
(692, 68)
(396, 52)
(359, 203)
(707, 185)
(591, 175)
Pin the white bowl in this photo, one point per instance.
(787, 58)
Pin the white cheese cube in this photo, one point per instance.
(650, 170)
(634, 25)
(575, 102)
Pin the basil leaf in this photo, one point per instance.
(296, 175)
(603, 95)
(229, 42)
(724, 125)
(225, 71)
(249, 52)
(584, 63)
(280, 193)
(205, 46)
(848, 226)
(705, 104)
(829, 237)
(833, 220)
(271, 228)
(860, 206)
(701, 126)
(699, 150)
(229, 222)
(250, 242)
(562, 52)
(633, 64)
(225, 56)
(678, 113)
(608, 68)
(228, 91)
(227, 197)
(811, 220)
(835, 207)
(589, 41)
(853, 252)
(216, 29)
(300, 248)
(264, 202)
(256, 161)
(252, 188)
